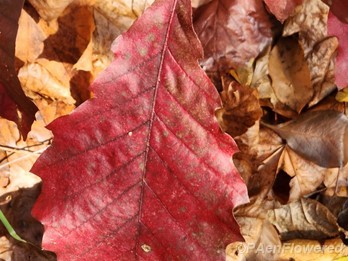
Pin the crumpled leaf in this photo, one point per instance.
(306, 176)
(241, 108)
(30, 37)
(309, 20)
(290, 74)
(318, 136)
(153, 178)
(11, 93)
(282, 9)
(340, 30)
(299, 219)
(232, 33)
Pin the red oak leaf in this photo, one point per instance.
(339, 29)
(232, 32)
(11, 93)
(282, 9)
(142, 171)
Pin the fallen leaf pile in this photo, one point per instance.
(121, 100)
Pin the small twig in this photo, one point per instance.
(22, 158)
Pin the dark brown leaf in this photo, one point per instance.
(318, 136)
(240, 109)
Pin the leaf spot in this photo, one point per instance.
(146, 248)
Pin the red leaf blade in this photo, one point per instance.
(149, 174)
(336, 27)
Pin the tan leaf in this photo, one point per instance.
(310, 22)
(306, 175)
(241, 108)
(318, 136)
(30, 37)
(321, 64)
(310, 250)
(50, 9)
(305, 218)
(47, 78)
(290, 74)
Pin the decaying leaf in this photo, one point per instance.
(11, 93)
(241, 108)
(282, 9)
(306, 175)
(30, 37)
(318, 136)
(309, 20)
(153, 177)
(299, 219)
(47, 78)
(232, 33)
(290, 75)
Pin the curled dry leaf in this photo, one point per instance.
(310, 21)
(290, 75)
(241, 108)
(47, 78)
(282, 9)
(318, 136)
(232, 33)
(299, 219)
(306, 175)
(50, 9)
(340, 30)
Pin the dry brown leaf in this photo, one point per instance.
(241, 108)
(47, 78)
(337, 182)
(306, 176)
(321, 64)
(75, 28)
(290, 74)
(30, 37)
(50, 9)
(318, 136)
(5, 249)
(310, 22)
(299, 219)
(312, 250)
(121, 13)
(259, 235)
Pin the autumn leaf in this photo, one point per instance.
(299, 220)
(282, 9)
(11, 93)
(142, 170)
(340, 30)
(290, 75)
(232, 33)
(319, 136)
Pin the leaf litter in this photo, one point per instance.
(291, 142)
